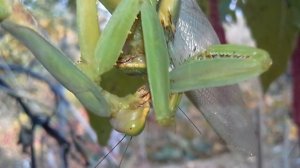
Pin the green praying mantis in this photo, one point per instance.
(145, 56)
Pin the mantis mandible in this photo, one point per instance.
(143, 69)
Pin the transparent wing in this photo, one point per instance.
(223, 107)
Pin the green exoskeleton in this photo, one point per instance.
(149, 52)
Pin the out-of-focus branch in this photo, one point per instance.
(296, 85)
(215, 20)
(37, 120)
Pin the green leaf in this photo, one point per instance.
(294, 6)
(273, 26)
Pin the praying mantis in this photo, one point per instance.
(145, 57)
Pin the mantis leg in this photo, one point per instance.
(94, 98)
(114, 35)
(219, 65)
(61, 68)
(89, 33)
(157, 59)
(131, 120)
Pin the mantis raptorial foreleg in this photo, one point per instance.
(61, 68)
(131, 120)
(208, 72)
(219, 65)
(115, 33)
(89, 33)
(157, 59)
(130, 112)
